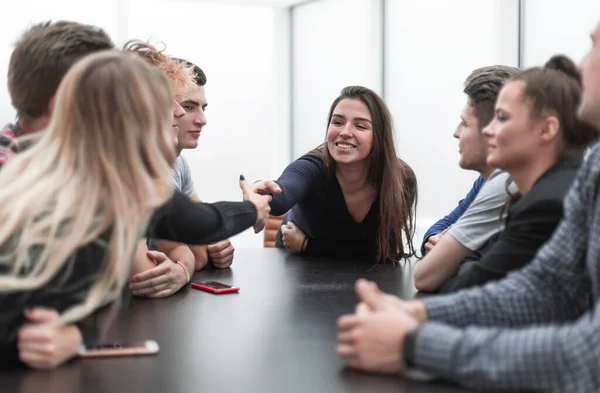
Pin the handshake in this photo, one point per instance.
(260, 195)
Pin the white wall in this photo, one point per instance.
(336, 44)
(558, 26)
(431, 47)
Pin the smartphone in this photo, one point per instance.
(215, 287)
(149, 347)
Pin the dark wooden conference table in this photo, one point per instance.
(278, 334)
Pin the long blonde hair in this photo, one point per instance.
(96, 174)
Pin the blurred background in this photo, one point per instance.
(275, 66)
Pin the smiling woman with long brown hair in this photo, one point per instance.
(352, 195)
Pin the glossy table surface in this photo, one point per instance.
(278, 334)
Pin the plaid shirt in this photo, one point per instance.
(9, 146)
(537, 329)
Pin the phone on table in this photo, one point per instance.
(148, 347)
(215, 287)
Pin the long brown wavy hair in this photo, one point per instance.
(394, 181)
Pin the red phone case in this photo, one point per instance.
(213, 290)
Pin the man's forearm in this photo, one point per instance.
(141, 262)
(551, 358)
(200, 256)
(440, 264)
(200, 252)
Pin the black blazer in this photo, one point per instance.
(529, 224)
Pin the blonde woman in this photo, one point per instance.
(76, 203)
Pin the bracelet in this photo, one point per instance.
(187, 277)
(304, 243)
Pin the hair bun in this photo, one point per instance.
(565, 65)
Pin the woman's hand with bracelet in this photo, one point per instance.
(163, 280)
(293, 238)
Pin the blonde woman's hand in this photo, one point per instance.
(163, 280)
(261, 202)
(45, 347)
(293, 237)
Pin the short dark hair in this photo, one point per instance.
(199, 75)
(41, 58)
(483, 87)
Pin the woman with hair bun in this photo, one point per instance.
(538, 139)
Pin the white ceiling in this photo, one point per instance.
(275, 3)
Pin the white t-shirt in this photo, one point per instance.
(182, 177)
(482, 219)
(182, 180)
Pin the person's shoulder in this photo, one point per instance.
(181, 165)
(549, 192)
(313, 160)
(404, 165)
(9, 144)
(495, 184)
(536, 207)
(316, 155)
(555, 184)
(586, 181)
(478, 183)
(544, 203)
(181, 161)
(7, 135)
(498, 175)
(591, 163)
(10, 130)
(492, 194)
(409, 173)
